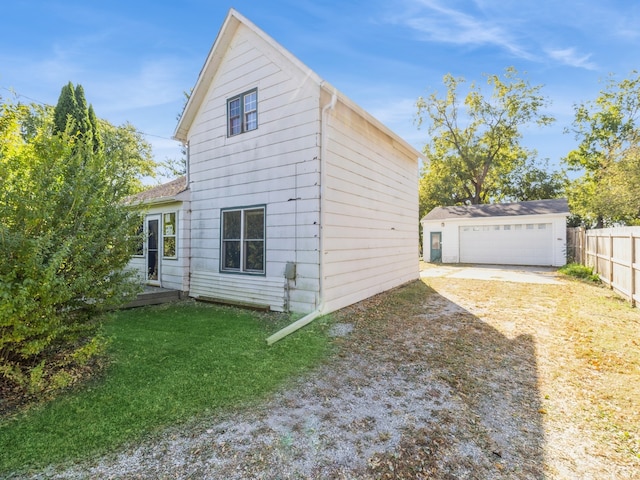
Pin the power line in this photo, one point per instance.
(18, 95)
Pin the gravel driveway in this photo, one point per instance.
(421, 389)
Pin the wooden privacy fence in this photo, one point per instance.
(614, 254)
(576, 239)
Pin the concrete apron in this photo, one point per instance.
(505, 273)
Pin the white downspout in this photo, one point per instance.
(320, 308)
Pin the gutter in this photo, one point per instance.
(319, 311)
(157, 201)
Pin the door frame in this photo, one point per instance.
(437, 258)
(158, 250)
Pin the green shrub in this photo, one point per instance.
(65, 238)
(581, 272)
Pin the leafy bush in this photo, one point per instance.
(65, 238)
(581, 272)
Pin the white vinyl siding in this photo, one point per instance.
(276, 165)
(352, 208)
(371, 207)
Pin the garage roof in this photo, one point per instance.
(534, 207)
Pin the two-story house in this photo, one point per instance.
(295, 199)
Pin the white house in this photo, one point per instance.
(524, 233)
(299, 200)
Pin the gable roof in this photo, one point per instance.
(533, 207)
(166, 192)
(214, 59)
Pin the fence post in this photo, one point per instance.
(596, 263)
(610, 260)
(632, 266)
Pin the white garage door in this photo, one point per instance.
(515, 244)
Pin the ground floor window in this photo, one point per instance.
(169, 232)
(243, 240)
(139, 249)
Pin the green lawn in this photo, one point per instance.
(168, 365)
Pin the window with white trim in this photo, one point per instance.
(243, 240)
(169, 235)
(242, 113)
(139, 250)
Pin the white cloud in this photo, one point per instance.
(570, 57)
(438, 23)
(518, 30)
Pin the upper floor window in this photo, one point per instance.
(242, 112)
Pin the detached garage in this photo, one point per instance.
(523, 233)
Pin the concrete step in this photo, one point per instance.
(154, 296)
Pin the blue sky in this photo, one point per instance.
(136, 58)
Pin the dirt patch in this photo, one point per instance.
(454, 379)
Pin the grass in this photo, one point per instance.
(561, 362)
(167, 365)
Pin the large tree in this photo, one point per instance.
(128, 155)
(533, 180)
(608, 191)
(65, 237)
(475, 147)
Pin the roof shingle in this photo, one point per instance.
(533, 207)
(166, 190)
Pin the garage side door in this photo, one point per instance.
(514, 244)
